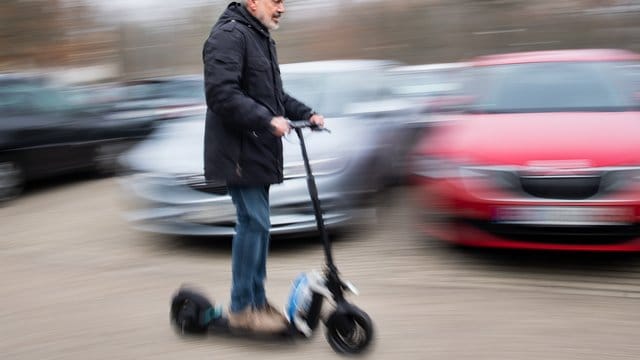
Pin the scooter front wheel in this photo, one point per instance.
(349, 330)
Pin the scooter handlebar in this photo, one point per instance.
(301, 124)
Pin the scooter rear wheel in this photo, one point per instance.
(187, 312)
(349, 330)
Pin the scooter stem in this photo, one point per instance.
(313, 192)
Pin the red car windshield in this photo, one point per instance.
(553, 87)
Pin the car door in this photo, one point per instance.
(41, 134)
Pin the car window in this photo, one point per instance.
(423, 83)
(332, 93)
(31, 98)
(13, 103)
(187, 89)
(543, 87)
(631, 72)
(140, 91)
(162, 89)
(308, 88)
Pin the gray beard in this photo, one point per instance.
(269, 24)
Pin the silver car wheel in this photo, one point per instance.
(11, 180)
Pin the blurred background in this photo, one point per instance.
(101, 40)
(104, 209)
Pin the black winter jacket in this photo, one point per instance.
(243, 92)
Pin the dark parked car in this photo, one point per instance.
(164, 98)
(352, 164)
(43, 134)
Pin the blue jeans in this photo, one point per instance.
(250, 246)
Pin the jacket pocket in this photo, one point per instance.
(258, 63)
(259, 81)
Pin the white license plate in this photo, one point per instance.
(563, 215)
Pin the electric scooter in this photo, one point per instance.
(349, 330)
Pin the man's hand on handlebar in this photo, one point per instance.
(280, 126)
(302, 124)
(317, 120)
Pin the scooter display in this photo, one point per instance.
(349, 330)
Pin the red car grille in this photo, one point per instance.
(561, 187)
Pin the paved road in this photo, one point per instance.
(77, 283)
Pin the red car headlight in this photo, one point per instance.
(619, 179)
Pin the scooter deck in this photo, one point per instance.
(190, 305)
(220, 328)
(220, 325)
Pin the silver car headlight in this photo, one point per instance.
(322, 167)
(198, 182)
(191, 180)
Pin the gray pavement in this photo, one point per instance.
(77, 283)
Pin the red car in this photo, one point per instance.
(544, 154)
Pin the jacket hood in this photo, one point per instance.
(237, 12)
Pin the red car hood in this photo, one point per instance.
(586, 139)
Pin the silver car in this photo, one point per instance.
(169, 194)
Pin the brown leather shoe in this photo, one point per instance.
(249, 320)
(243, 320)
(273, 313)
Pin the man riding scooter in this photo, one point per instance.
(247, 111)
